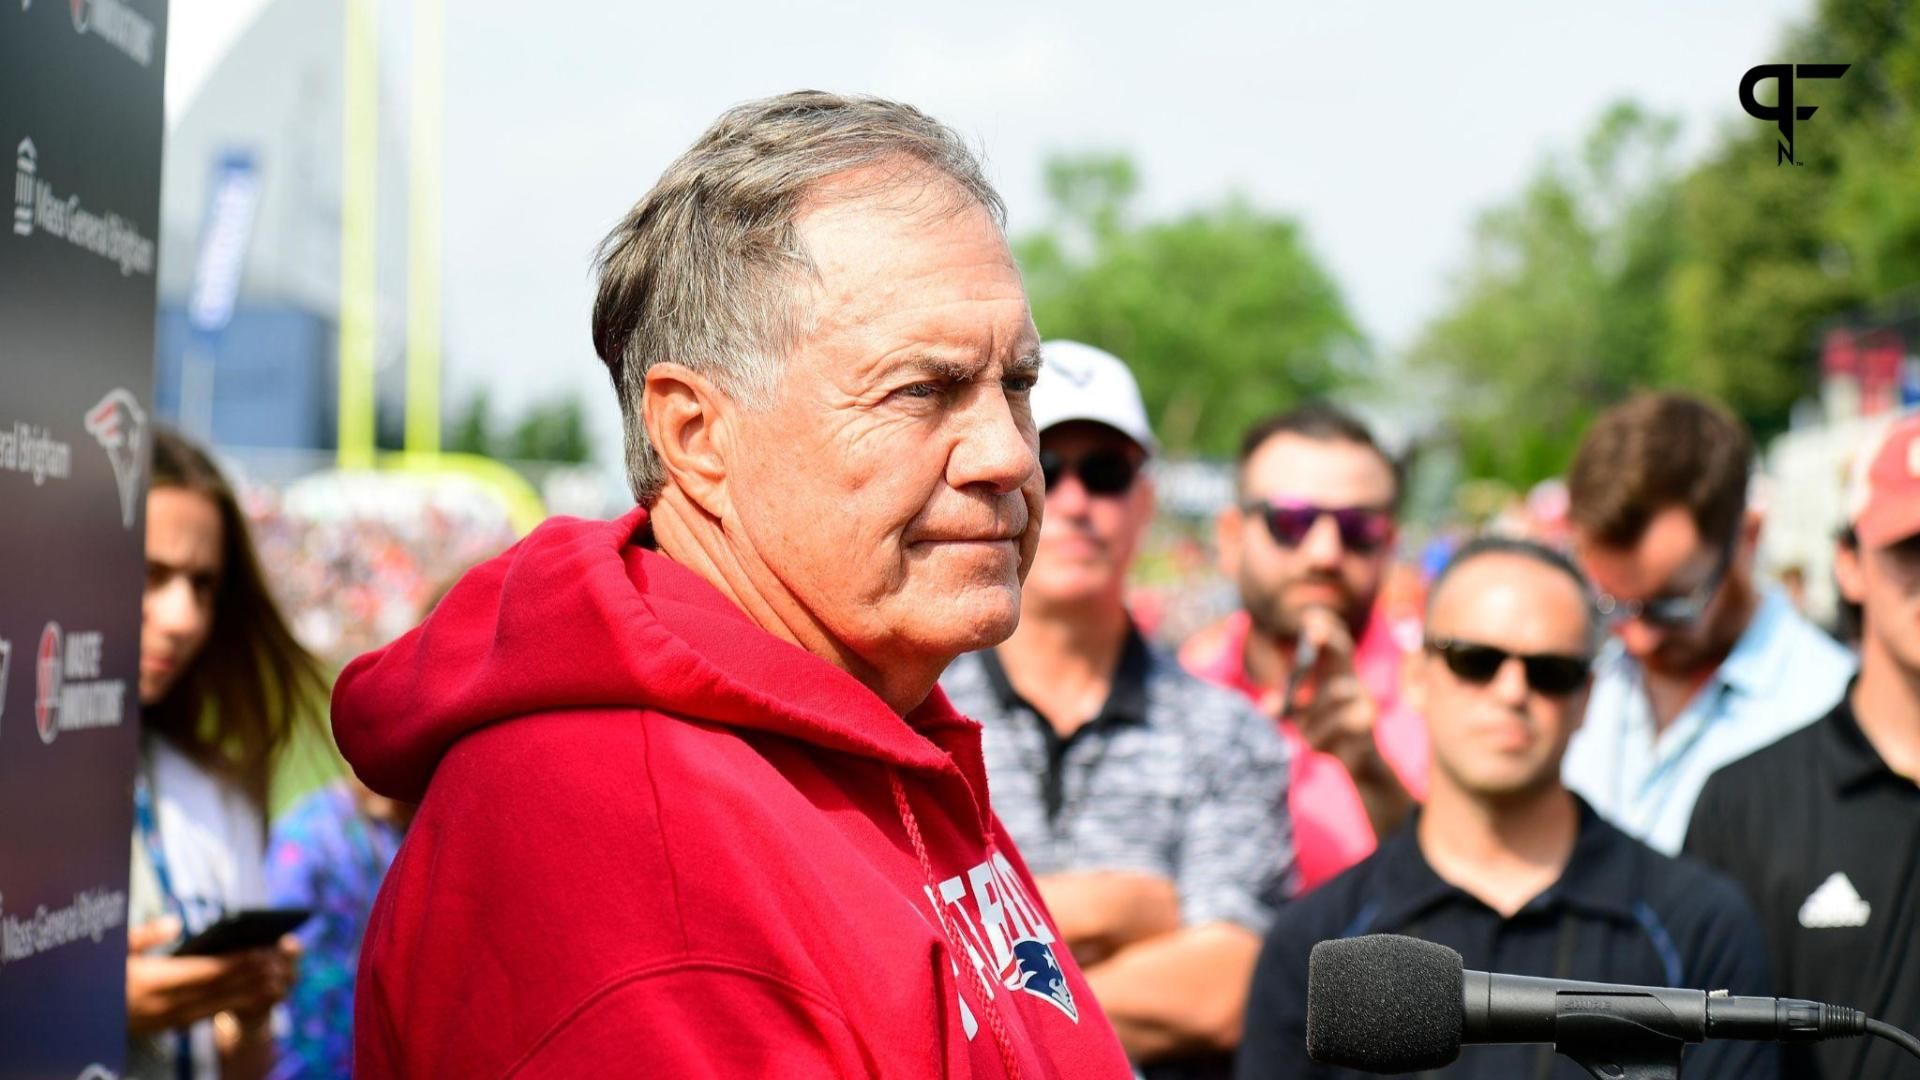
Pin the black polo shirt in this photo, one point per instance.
(1620, 912)
(1825, 838)
(1126, 704)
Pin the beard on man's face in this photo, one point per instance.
(1695, 650)
(1276, 613)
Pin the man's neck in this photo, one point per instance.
(1886, 702)
(1503, 852)
(689, 536)
(1062, 659)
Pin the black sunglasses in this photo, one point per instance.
(1363, 529)
(1102, 472)
(1670, 612)
(1551, 674)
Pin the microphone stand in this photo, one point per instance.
(1611, 1047)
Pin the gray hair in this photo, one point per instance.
(702, 270)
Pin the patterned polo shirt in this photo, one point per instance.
(1173, 777)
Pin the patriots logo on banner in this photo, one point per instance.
(121, 426)
(1040, 975)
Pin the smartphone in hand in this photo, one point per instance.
(253, 928)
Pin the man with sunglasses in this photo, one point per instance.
(1503, 863)
(1149, 804)
(1823, 827)
(1309, 543)
(1705, 667)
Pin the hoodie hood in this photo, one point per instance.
(581, 615)
(648, 814)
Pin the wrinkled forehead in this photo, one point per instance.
(903, 215)
(897, 269)
(1332, 473)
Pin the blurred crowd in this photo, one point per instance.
(353, 578)
(1492, 741)
(1458, 742)
(896, 731)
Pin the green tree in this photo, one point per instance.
(1562, 306)
(1616, 271)
(554, 430)
(1772, 251)
(472, 431)
(1224, 314)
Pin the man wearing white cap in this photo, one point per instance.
(1149, 805)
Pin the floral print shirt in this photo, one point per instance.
(326, 855)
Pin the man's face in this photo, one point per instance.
(892, 488)
(1501, 736)
(1885, 582)
(1281, 576)
(1089, 539)
(1671, 560)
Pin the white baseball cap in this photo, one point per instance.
(1080, 382)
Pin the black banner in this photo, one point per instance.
(80, 127)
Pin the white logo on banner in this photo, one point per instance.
(26, 166)
(6, 662)
(37, 207)
(69, 694)
(118, 25)
(29, 448)
(91, 914)
(122, 430)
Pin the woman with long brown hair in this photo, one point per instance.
(224, 686)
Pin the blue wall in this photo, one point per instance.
(273, 383)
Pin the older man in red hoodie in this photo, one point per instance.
(692, 803)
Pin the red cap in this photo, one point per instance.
(1886, 500)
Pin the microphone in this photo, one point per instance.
(1390, 1004)
(1305, 655)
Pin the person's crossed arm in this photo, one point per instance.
(1171, 961)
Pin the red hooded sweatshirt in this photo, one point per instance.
(656, 841)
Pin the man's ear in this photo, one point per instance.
(1413, 680)
(690, 426)
(1226, 540)
(1751, 523)
(1143, 497)
(1847, 573)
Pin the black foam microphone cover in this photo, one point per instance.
(1384, 1003)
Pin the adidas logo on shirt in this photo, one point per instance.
(1836, 903)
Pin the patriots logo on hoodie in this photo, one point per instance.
(1041, 976)
(1005, 935)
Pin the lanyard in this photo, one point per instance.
(145, 822)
